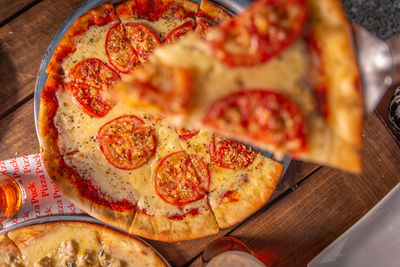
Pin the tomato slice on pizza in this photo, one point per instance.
(185, 134)
(259, 34)
(88, 79)
(179, 32)
(230, 154)
(181, 178)
(143, 39)
(262, 115)
(202, 26)
(119, 50)
(126, 143)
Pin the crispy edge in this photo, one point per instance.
(169, 230)
(332, 30)
(100, 15)
(210, 10)
(125, 10)
(259, 190)
(59, 173)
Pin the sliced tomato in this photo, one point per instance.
(126, 142)
(181, 178)
(177, 33)
(166, 87)
(259, 33)
(89, 78)
(119, 50)
(185, 134)
(264, 116)
(230, 154)
(202, 26)
(143, 39)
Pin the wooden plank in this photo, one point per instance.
(17, 133)
(8, 8)
(23, 42)
(294, 230)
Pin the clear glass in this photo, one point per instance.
(229, 251)
(10, 196)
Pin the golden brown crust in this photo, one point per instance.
(212, 11)
(100, 16)
(155, 9)
(170, 230)
(332, 31)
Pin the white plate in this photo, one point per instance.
(373, 241)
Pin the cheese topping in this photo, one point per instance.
(54, 244)
(92, 44)
(161, 26)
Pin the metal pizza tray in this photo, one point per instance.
(77, 218)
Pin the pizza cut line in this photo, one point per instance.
(281, 76)
(127, 165)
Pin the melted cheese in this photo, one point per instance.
(89, 45)
(47, 243)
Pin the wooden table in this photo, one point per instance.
(289, 231)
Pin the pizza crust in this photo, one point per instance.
(100, 16)
(332, 31)
(212, 11)
(149, 8)
(170, 230)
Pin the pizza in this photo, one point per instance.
(128, 166)
(77, 244)
(281, 76)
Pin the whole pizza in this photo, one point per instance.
(127, 165)
(78, 244)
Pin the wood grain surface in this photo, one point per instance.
(311, 207)
(23, 42)
(11, 8)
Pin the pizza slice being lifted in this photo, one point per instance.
(282, 76)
